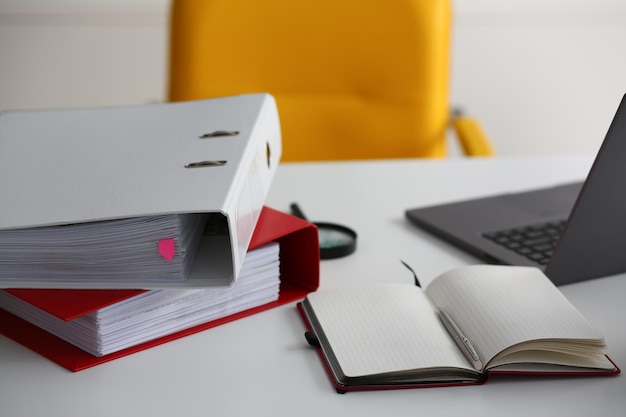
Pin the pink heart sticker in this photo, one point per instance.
(167, 249)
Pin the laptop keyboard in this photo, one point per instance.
(536, 242)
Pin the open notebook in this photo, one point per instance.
(467, 324)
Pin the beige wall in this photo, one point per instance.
(542, 76)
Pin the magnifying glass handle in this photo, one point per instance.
(295, 209)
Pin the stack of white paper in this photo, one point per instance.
(156, 248)
(158, 313)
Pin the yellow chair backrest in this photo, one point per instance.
(353, 79)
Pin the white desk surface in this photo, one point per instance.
(262, 366)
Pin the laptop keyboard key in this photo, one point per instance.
(536, 242)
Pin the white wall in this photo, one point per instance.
(543, 76)
(75, 53)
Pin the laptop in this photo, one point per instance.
(573, 232)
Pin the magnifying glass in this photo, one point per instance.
(336, 241)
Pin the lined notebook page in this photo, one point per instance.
(384, 328)
(499, 306)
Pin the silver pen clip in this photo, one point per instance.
(462, 342)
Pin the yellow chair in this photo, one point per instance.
(353, 79)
